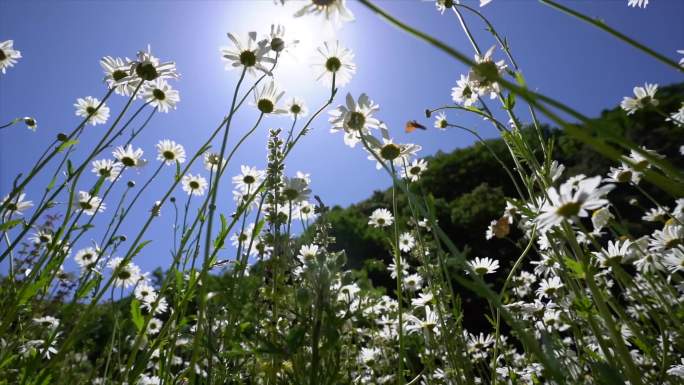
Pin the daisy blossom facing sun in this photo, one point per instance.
(355, 118)
(194, 184)
(158, 93)
(334, 60)
(88, 108)
(267, 97)
(381, 218)
(128, 156)
(125, 275)
(247, 54)
(170, 152)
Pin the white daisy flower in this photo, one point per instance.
(441, 121)
(106, 168)
(307, 254)
(674, 261)
(194, 184)
(154, 326)
(464, 93)
(600, 218)
(248, 54)
(8, 55)
(335, 11)
(305, 211)
(398, 154)
(296, 108)
(355, 118)
(617, 252)
(87, 108)
(170, 152)
(656, 214)
(643, 97)
(573, 199)
(248, 179)
(118, 75)
(549, 286)
(414, 170)
(296, 189)
(277, 42)
(667, 238)
(90, 204)
(125, 275)
(148, 68)
(50, 322)
(212, 160)
(483, 77)
(381, 218)
(16, 205)
(406, 242)
(413, 282)
(159, 94)
(422, 300)
(677, 117)
(85, 258)
(145, 293)
(267, 97)
(482, 266)
(337, 60)
(129, 157)
(624, 174)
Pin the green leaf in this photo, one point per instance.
(66, 145)
(9, 225)
(136, 315)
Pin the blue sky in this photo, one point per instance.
(62, 42)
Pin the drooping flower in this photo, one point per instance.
(381, 218)
(247, 54)
(158, 93)
(334, 60)
(8, 55)
(170, 152)
(677, 117)
(355, 118)
(644, 96)
(87, 108)
(194, 184)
